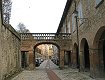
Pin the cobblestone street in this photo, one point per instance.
(41, 74)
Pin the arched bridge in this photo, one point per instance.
(29, 41)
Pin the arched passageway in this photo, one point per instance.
(76, 56)
(86, 55)
(24, 59)
(104, 54)
(85, 59)
(101, 46)
(67, 58)
(46, 51)
(31, 40)
(99, 53)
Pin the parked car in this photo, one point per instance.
(37, 62)
(55, 61)
(42, 60)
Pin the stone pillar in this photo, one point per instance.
(61, 59)
(94, 62)
(31, 60)
(81, 56)
(65, 58)
(73, 59)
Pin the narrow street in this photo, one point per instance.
(49, 71)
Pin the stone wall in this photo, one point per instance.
(9, 51)
(93, 21)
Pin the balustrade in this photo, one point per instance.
(45, 36)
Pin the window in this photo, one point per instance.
(68, 27)
(88, 4)
(80, 14)
(98, 2)
(64, 27)
(73, 23)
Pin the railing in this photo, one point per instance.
(45, 36)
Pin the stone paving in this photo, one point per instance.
(72, 74)
(32, 75)
(40, 73)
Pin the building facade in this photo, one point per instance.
(87, 30)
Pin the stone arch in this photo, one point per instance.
(97, 37)
(84, 55)
(39, 43)
(75, 56)
(99, 51)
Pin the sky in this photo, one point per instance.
(39, 16)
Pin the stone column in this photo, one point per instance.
(61, 59)
(65, 58)
(94, 62)
(81, 57)
(73, 59)
(31, 60)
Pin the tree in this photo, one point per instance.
(22, 28)
(6, 10)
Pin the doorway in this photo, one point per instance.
(86, 56)
(67, 56)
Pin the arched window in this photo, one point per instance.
(73, 23)
(80, 12)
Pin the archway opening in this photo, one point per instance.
(67, 58)
(44, 52)
(76, 56)
(24, 59)
(86, 55)
(99, 55)
(101, 47)
(85, 58)
(104, 54)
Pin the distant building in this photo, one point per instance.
(44, 50)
